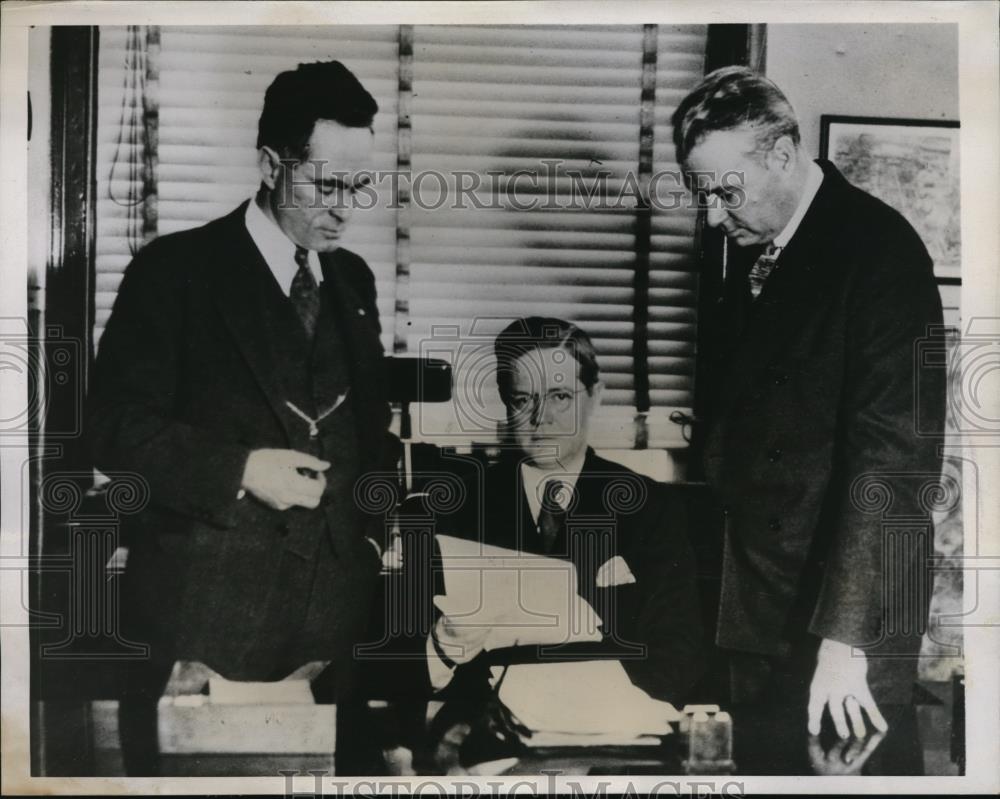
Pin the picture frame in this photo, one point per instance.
(913, 165)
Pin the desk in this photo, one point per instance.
(766, 742)
(774, 742)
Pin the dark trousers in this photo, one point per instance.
(314, 631)
(773, 679)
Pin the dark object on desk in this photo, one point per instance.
(417, 379)
(493, 733)
(710, 744)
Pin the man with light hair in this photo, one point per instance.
(815, 398)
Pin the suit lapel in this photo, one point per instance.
(793, 294)
(508, 521)
(238, 294)
(526, 537)
(359, 329)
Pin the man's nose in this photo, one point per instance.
(715, 216)
(540, 412)
(343, 207)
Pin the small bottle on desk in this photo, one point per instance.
(710, 744)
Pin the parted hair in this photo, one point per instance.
(533, 333)
(731, 98)
(296, 99)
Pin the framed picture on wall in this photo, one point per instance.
(913, 165)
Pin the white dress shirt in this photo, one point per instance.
(278, 250)
(813, 181)
(535, 480)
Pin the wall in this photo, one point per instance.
(865, 70)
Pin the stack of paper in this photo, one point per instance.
(525, 599)
(282, 692)
(522, 599)
(564, 702)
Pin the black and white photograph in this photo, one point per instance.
(500, 397)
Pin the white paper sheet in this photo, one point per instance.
(522, 598)
(570, 701)
(282, 692)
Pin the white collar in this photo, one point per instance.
(813, 181)
(277, 249)
(534, 480)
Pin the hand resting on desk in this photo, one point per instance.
(840, 683)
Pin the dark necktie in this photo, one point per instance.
(551, 516)
(304, 292)
(761, 268)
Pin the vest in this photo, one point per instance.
(315, 374)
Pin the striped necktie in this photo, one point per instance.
(304, 292)
(761, 268)
(551, 516)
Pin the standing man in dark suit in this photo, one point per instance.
(551, 494)
(816, 401)
(240, 376)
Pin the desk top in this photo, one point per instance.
(767, 741)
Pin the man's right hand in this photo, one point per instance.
(460, 643)
(273, 476)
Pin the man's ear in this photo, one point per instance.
(268, 162)
(784, 153)
(596, 393)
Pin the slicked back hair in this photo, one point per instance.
(296, 99)
(534, 333)
(732, 98)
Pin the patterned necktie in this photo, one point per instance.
(304, 292)
(763, 267)
(551, 516)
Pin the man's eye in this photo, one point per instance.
(560, 396)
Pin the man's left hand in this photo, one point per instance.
(841, 682)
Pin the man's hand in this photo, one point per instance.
(460, 643)
(285, 478)
(846, 757)
(841, 682)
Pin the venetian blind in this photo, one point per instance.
(558, 103)
(673, 280)
(209, 92)
(560, 107)
(121, 160)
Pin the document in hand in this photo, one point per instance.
(523, 599)
(580, 703)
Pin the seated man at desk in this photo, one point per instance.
(550, 494)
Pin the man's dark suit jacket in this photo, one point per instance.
(812, 444)
(186, 384)
(653, 624)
